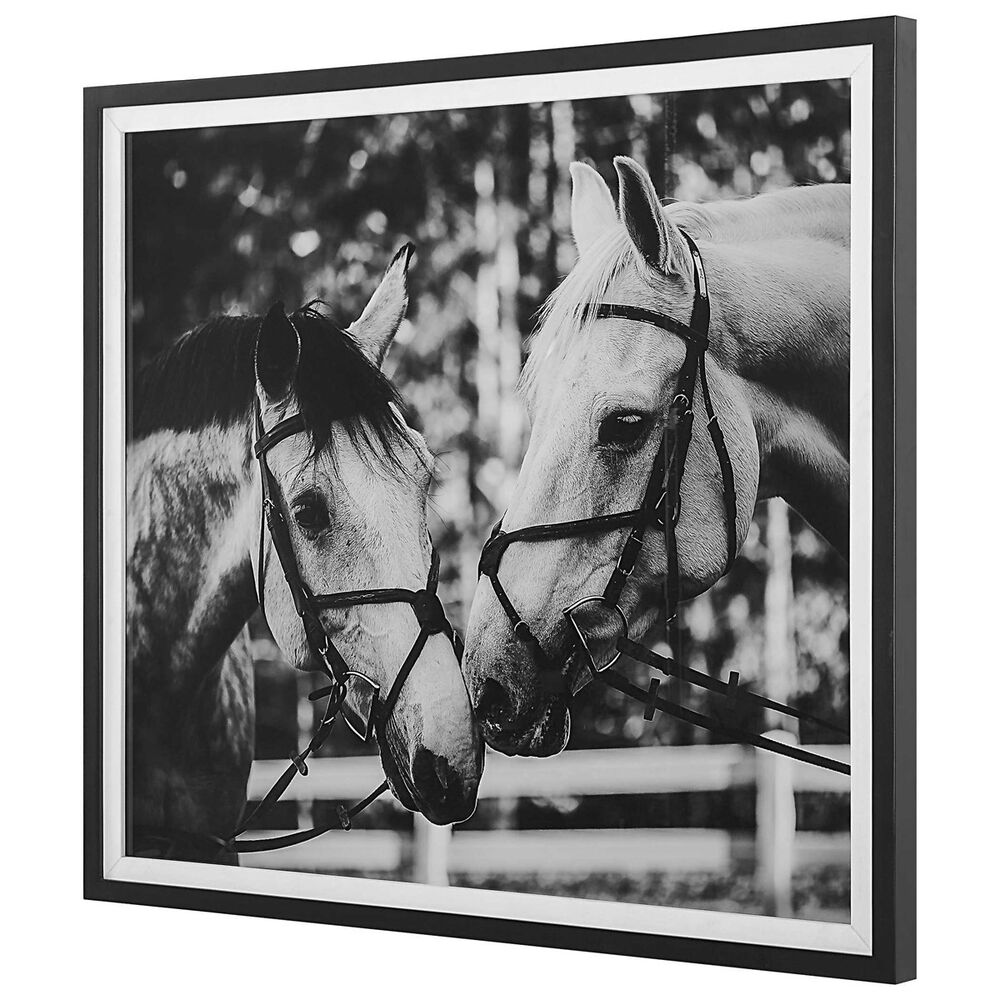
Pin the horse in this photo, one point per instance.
(352, 487)
(598, 389)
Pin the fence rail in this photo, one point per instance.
(627, 771)
(774, 851)
(555, 852)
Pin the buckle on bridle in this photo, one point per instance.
(429, 612)
(581, 637)
(489, 558)
(343, 818)
(272, 514)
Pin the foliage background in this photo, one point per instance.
(231, 219)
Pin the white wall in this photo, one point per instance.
(60, 943)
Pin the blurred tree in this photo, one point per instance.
(230, 219)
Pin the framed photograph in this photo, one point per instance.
(500, 497)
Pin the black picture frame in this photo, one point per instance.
(893, 42)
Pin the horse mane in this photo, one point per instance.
(207, 377)
(820, 210)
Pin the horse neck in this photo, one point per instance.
(781, 329)
(191, 511)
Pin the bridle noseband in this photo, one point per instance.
(660, 505)
(376, 711)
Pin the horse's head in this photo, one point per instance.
(598, 392)
(353, 490)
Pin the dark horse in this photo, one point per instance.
(353, 489)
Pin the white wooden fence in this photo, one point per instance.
(775, 851)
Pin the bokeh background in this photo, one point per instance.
(231, 219)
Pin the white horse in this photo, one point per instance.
(598, 391)
(352, 486)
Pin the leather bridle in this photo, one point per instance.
(661, 505)
(427, 610)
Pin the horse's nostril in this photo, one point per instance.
(494, 706)
(437, 782)
(426, 772)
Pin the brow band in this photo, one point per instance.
(616, 310)
(284, 428)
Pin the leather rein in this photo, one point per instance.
(427, 610)
(661, 505)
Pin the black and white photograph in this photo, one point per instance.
(423, 294)
(493, 523)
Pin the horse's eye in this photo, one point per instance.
(311, 514)
(623, 430)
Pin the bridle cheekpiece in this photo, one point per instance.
(347, 686)
(661, 505)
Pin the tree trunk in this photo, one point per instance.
(563, 154)
(643, 114)
(487, 304)
(540, 178)
(508, 275)
(779, 632)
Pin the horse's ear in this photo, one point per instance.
(375, 328)
(592, 209)
(656, 239)
(276, 356)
